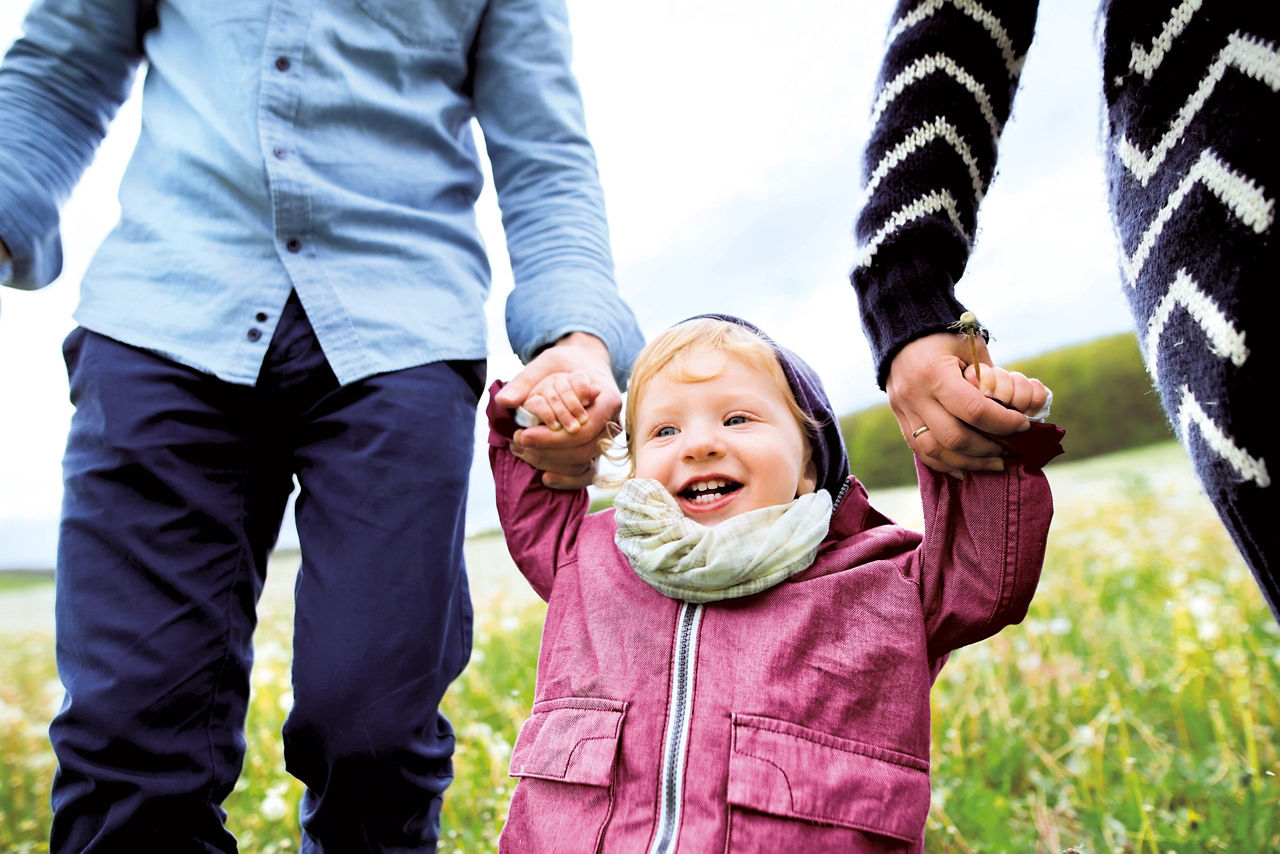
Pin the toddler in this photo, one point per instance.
(738, 656)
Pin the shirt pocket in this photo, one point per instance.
(444, 25)
(789, 783)
(564, 759)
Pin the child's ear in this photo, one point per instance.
(808, 480)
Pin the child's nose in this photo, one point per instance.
(702, 445)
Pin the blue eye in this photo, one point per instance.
(735, 420)
(666, 431)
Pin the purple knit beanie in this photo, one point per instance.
(826, 442)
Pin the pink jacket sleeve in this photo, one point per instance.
(984, 542)
(540, 524)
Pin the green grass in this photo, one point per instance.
(1135, 710)
(11, 580)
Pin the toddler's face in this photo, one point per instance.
(721, 446)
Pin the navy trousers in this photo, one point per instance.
(176, 484)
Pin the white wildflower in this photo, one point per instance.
(1084, 736)
(274, 807)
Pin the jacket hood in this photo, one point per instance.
(826, 442)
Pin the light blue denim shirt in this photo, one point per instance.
(324, 146)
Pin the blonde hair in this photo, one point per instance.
(671, 351)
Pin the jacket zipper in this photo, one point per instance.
(836, 504)
(675, 743)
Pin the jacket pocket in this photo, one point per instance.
(564, 759)
(787, 781)
(436, 24)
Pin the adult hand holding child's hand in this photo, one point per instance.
(928, 389)
(570, 387)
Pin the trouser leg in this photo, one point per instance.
(171, 507)
(383, 621)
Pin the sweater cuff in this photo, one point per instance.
(902, 301)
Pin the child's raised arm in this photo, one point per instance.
(540, 524)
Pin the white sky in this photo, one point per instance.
(729, 139)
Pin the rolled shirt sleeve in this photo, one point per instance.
(530, 110)
(61, 83)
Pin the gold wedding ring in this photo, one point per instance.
(919, 431)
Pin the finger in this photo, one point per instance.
(965, 403)
(1021, 396)
(538, 405)
(946, 445)
(566, 461)
(992, 381)
(570, 412)
(559, 481)
(581, 480)
(1002, 387)
(545, 364)
(953, 447)
(584, 386)
(516, 390)
(1039, 396)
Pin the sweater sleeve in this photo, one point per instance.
(946, 86)
(540, 524)
(984, 542)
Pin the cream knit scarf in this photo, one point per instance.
(740, 556)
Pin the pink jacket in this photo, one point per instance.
(796, 719)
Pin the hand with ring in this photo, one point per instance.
(927, 386)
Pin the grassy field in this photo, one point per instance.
(1137, 709)
(22, 580)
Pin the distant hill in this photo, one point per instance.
(1103, 398)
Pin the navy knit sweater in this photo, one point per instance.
(1192, 90)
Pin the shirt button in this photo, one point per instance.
(278, 152)
(293, 244)
(261, 317)
(254, 334)
(283, 63)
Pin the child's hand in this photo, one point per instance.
(560, 400)
(1016, 391)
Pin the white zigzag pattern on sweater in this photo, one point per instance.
(1255, 58)
(938, 200)
(1225, 340)
(1237, 192)
(1144, 61)
(918, 138)
(1190, 412)
(929, 8)
(922, 68)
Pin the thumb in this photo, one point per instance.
(514, 392)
